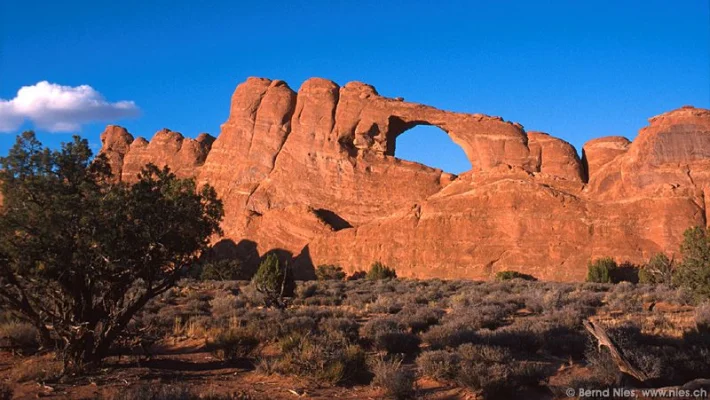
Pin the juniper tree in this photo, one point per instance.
(81, 254)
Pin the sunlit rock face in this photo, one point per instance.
(312, 174)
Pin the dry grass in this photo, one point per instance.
(493, 338)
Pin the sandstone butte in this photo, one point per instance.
(313, 176)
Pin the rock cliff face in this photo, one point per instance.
(313, 175)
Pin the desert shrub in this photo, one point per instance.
(702, 317)
(36, 370)
(490, 370)
(601, 270)
(562, 341)
(398, 342)
(325, 358)
(419, 319)
(666, 361)
(265, 324)
(520, 339)
(390, 334)
(357, 275)
(470, 352)
(20, 335)
(450, 335)
(378, 326)
(508, 275)
(233, 344)
(488, 378)
(223, 270)
(225, 305)
(196, 307)
(273, 281)
(602, 366)
(393, 378)
(306, 290)
(348, 327)
(693, 273)
(441, 365)
(385, 305)
(380, 271)
(298, 324)
(330, 273)
(658, 270)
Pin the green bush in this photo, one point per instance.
(329, 273)
(658, 270)
(601, 270)
(223, 270)
(273, 281)
(508, 275)
(380, 271)
(693, 273)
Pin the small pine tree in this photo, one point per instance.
(658, 270)
(273, 281)
(380, 271)
(601, 270)
(693, 273)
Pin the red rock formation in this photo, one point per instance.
(313, 173)
(128, 155)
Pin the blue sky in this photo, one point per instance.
(575, 69)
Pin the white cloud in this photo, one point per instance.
(58, 108)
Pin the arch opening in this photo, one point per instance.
(431, 146)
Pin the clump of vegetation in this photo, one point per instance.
(330, 273)
(489, 369)
(658, 270)
(379, 271)
(693, 273)
(64, 271)
(327, 358)
(233, 344)
(19, 335)
(273, 281)
(393, 378)
(508, 275)
(37, 370)
(223, 270)
(390, 335)
(357, 275)
(601, 270)
(441, 365)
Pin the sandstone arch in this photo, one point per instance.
(312, 172)
(430, 145)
